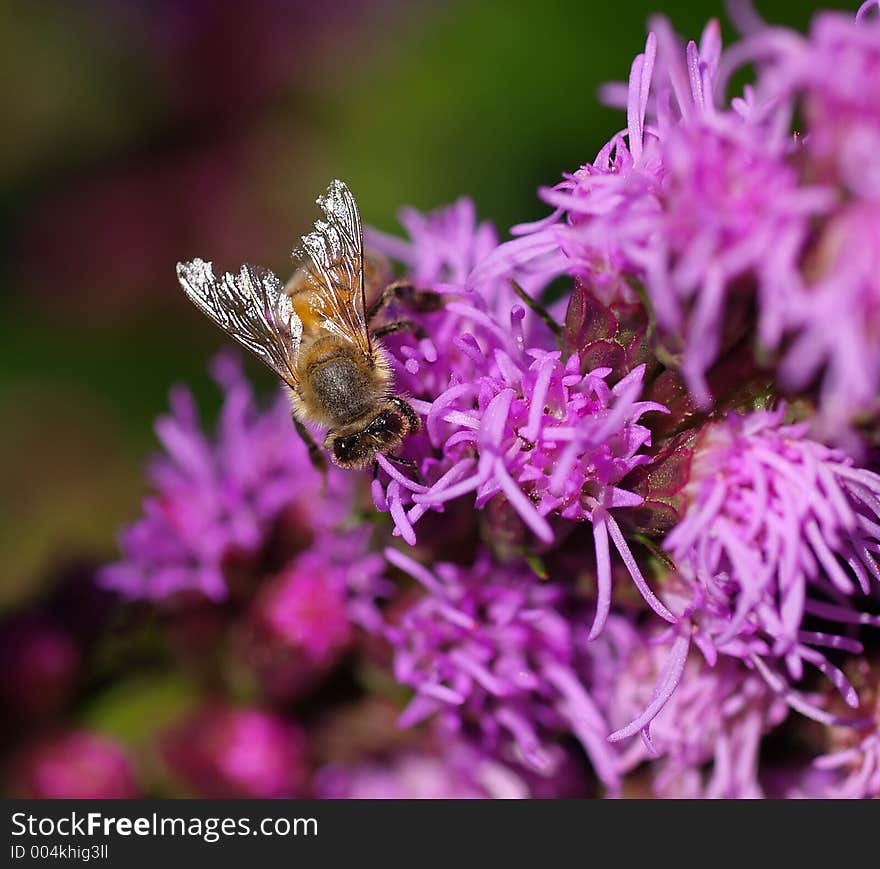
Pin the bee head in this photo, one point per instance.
(357, 445)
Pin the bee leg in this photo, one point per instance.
(393, 291)
(375, 469)
(406, 409)
(410, 465)
(400, 326)
(423, 301)
(316, 456)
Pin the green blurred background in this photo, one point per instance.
(139, 133)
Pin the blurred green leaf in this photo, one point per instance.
(136, 709)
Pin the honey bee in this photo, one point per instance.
(313, 333)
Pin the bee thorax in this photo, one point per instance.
(340, 389)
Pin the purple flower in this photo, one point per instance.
(866, 9)
(705, 740)
(701, 205)
(491, 649)
(458, 771)
(302, 621)
(75, 764)
(832, 307)
(857, 767)
(694, 205)
(304, 609)
(777, 528)
(444, 245)
(798, 781)
(336, 579)
(548, 439)
(215, 497)
(834, 73)
(507, 417)
(774, 517)
(407, 777)
(854, 758)
(604, 205)
(543, 435)
(222, 751)
(837, 320)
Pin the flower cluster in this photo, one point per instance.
(515, 421)
(215, 498)
(491, 649)
(638, 533)
(707, 737)
(231, 501)
(779, 529)
(736, 227)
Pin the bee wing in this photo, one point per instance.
(330, 262)
(251, 308)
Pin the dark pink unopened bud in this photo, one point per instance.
(39, 668)
(75, 765)
(223, 751)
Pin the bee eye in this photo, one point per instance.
(386, 423)
(344, 448)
